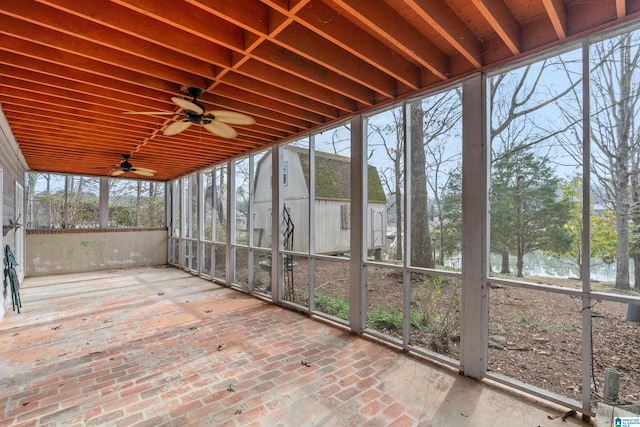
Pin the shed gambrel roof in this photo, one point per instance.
(333, 176)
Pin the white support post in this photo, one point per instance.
(250, 213)
(104, 202)
(231, 222)
(586, 231)
(183, 222)
(358, 251)
(312, 221)
(475, 293)
(403, 225)
(200, 246)
(277, 240)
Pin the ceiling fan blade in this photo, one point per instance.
(176, 127)
(142, 172)
(187, 105)
(154, 113)
(117, 172)
(220, 129)
(232, 118)
(151, 171)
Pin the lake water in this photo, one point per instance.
(539, 264)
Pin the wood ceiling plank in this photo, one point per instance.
(288, 114)
(68, 47)
(69, 140)
(332, 26)
(65, 123)
(147, 97)
(66, 59)
(81, 89)
(389, 25)
(316, 49)
(260, 26)
(61, 144)
(584, 15)
(557, 16)
(187, 20)
(64, 118)
(70, 95)
(442, 19)
(287, 61)
(35, 86)
(50, 107)
(250, 15)
(62, 30)
(198, 21)
(260, 71)
(70, 127)
(105, 72)
(502, 22)
(279, 94)
(116, 17)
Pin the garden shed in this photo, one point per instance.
(331, 201)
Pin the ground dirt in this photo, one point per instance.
(535, 336)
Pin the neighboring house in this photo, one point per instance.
(332, 201)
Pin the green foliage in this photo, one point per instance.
(452, 214)
(438, 312)
(76, 211)
(603, 228)
(333, 307)
(526, 214)
(384, 320)
(122, 216)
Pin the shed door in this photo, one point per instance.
(377, 227)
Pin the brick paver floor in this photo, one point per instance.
(160, 347)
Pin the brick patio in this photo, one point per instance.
(160, 347)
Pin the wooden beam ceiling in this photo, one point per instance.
(70, 69)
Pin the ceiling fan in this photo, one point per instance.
(125, 166)
(215, 121)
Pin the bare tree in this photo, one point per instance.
(391, 136)
(421, 252)
(616, 94)
(520, 121)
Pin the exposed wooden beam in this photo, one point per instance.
(621, 8)
(106, 13)
(498, 16)
(278, 94)
(331, 25)
(441, 18)
(390, 26)
(314, 48)
(557, 16)
(263, 72)
(287, 61)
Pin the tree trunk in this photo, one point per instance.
(622, 242)
(505, 269)
(441, 238)
(421, 253)
(520, 259)
(399, 221)
(624, 114)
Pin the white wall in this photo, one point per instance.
(59, 252)
(13, 166)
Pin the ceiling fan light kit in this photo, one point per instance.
(215, 121)
(126, 166)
